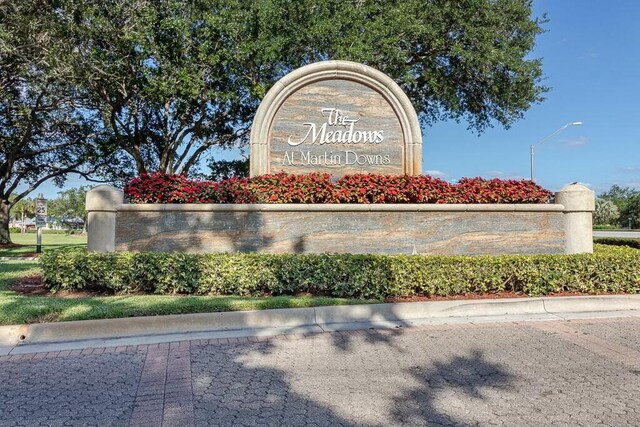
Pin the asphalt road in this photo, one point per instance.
(553, 373)
(629, 234)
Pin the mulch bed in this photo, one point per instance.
(21, 255)
(10, 246)
(32, 286)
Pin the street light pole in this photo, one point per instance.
(531, 154)
(546, 138)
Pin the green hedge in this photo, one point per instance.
(618, 241)
(610, 269)
(47, 231)
(604, 227)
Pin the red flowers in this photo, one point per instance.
(163, 188)
(319, 188)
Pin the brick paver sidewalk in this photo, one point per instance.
(579, 373)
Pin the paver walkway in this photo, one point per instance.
(557, 373)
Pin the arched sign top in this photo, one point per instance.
(338, 117)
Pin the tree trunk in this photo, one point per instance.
(4, 222)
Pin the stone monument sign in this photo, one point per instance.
(338, 117)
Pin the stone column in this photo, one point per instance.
(102, 204)
(579, 204)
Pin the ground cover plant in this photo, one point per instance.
(322, 188)
(609, 269)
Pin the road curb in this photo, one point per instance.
(324, 317)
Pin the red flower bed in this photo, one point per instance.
(163, 188)
(371, 188)
(319, 188)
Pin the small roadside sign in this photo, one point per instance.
(41, 220)
(41, 211)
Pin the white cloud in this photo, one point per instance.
(575, 142)
(503, 175)
(435, 173)
(631, 169)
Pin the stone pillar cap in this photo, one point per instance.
(576, 197)
(105, 198)
(576, 186)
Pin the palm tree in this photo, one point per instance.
(23, 209)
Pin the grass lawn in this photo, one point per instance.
(49, 241)
(16, 308)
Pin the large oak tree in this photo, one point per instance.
(165, 81)
(173, 79)
(45, 133)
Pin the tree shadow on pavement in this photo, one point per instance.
(254, 384)
(229, 390)
(467, 376)
(345, 340)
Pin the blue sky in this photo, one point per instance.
(591, 60)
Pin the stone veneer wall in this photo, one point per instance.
(379, 229)
(564, 227)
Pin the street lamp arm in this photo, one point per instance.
(546, 138)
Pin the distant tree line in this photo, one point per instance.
(619, 206)
(66, 210)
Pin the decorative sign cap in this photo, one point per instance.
(339, 117)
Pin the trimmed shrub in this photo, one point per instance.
(604, 227)
(609, 269)
(618, 241)
(320, 188)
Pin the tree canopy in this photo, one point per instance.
(69, 206)
(627, 202)
(171, 79)
(606, 212)
(154, 85)
(45, 133)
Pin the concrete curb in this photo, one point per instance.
(325, 318)
(19, 258)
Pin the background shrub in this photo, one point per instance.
(618, 241)
(321, 188)
(609, 269)
(606, 212)
(604, 227)
(52, 231)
